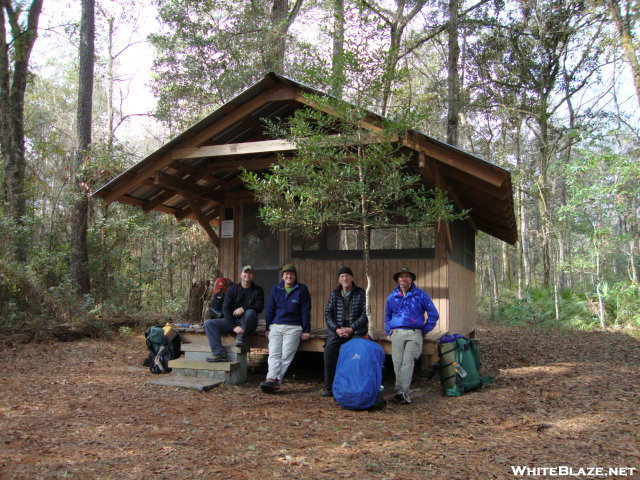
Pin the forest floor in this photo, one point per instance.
(84, 410)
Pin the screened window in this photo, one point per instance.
(348, 243)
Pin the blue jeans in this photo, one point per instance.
(216, 327)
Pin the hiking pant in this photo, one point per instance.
(406, 347)
(217, 327)
(283, 344)
(331, 351)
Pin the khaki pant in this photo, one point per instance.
(406, 347)
(283, 345)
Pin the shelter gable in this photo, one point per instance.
(192, 175)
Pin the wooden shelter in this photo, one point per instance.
(196, 175)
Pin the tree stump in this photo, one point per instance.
(197, 298)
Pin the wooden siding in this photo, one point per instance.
(462, 299)
(451, 286)
(320, 276)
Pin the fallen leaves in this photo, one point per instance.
(86, 412)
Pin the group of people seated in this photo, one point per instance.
(409, 314)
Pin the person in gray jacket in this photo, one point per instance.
(346, 318)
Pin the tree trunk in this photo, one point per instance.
(453, 79)
(15, 45)
(366, 254)
(79, 250)
(197, 298)
(338, 79)
(397, 25)
(625, 33)
(281, 20)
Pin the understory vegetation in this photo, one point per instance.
(615, 307)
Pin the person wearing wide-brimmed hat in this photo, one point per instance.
(409, 315)
(346, 318)
(288, 320)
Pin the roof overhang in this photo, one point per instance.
(190, 176)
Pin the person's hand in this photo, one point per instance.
(266, 333)
(305, 336)
(238, 330)
(238, 312)
(388, 338)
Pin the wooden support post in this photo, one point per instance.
(202, 220)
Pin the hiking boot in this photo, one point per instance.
(269, 385)
(398, 397)
(406, 400)
(326, 393)
(217, 358)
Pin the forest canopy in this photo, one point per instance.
(548, 89)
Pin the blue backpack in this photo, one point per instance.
(358, 380)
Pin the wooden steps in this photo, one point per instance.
(193, 370)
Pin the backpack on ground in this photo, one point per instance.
(358, 380)
(163, 344)
(460, 365)
(220, 288)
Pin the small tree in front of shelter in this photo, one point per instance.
(348, 172)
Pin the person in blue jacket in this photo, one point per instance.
(288, 320)
(409, 315)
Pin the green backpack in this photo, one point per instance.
(460, 367)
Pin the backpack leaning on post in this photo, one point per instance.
(460, 366)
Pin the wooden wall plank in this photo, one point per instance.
(463, 315)
(321, 278)
(451, 286)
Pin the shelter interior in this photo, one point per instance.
(197, 175)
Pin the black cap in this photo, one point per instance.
(345, 270)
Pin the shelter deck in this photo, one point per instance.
(195, 334)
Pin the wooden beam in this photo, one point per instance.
(431, 175)
(138, 202)
(202, 220)
(502, 193)
(158, 163)
(234, 149)
(251, 165)
(487, 173)
(187, 212)
(164, 196)
(373, 125)
(183, 187)
(262, 146)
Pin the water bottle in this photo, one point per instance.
(459, 370)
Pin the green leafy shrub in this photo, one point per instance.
(577, 309)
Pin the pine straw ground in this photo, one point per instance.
(83, 410)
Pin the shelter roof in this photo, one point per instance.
(190, 175)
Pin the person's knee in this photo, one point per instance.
(250, 315)
(209, 324)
